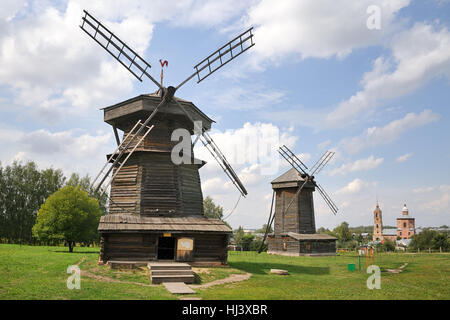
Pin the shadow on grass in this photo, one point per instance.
(264, 268)
(67, 251)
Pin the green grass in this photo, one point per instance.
(28, 272)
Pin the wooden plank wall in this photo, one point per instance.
(296, 219)
(160, 185)
(191, 191)
(306, 213)
(143, 246)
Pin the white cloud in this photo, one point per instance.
(441, 202)
(403, 158)
(53, 67)
(71, 151)
(388, 133)
(419, 54)
(353, 187)
(358, 165)
(318, 29)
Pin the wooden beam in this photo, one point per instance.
(116, 134)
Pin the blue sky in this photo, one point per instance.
(318, 78)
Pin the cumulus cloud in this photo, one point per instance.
(353, 187)
(403, 158)
(320, 30)
(72, 150)
(358, 165)
(382, 135)
(418, 55)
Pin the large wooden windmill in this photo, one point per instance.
(295, 229)
(156, 206)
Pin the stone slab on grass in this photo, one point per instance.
(178, 288)
(279, 271)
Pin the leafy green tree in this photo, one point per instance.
(245, 241)
(256, 244)
(85, 184)
(68, 214)
(264, 228)
(238, 234)
(23, 189)
(342, 232)
(423, 240)
(388, 245)
(440, 241)
(211, 210)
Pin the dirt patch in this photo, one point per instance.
(230, 279)
(107, 279)
(201, 270)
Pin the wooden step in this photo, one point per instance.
(172, 278)
(170, 272)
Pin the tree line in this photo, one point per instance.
(24, 188)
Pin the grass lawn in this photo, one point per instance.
(28, 272)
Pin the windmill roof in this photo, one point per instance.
(136, 223)
(147, 103)
(290, 178)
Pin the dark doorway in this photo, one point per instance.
(166, 248)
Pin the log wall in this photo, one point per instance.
(144, 246)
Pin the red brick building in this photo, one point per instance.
(405, 225)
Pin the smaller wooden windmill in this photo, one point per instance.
(294, 229)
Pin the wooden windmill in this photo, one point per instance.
(156, 206)
(294, 229)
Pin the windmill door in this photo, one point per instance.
(185, 249)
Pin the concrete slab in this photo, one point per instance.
(178, 288)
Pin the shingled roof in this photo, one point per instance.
(131, 222)
(290, 178)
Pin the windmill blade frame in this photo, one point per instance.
(292, 159)
(320, 164)
(327, 199)
(221, 56)
(215, 152)
(117, 48)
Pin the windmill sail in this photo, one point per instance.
(212, 147)
(116, 47)
(222, 56)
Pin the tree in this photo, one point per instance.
(23, 189)
(423, 240)
(211, 210)
(85, 184)
(342, 232)
(68, 214)
(388, 245)
(440, 241)
(245, 241)
(264, 228)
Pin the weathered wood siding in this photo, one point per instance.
(289, 245)
(299, 218)
(130, 247)
(144, 246)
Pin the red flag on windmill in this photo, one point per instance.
(163, 63)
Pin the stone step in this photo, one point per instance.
(170, 272)
(172, 278)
